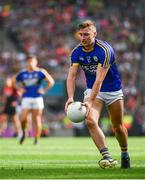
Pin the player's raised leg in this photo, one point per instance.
(98, 135)
(116, 111)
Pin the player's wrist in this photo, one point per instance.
(71, 99)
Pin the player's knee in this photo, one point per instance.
(90, 123)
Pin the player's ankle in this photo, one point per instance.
(105, 153)
(124, 154)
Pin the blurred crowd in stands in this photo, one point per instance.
(46, 28)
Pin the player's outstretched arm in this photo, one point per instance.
(71, 84)
(100, 76)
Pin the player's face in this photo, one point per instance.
(32, 63)
(87, 36)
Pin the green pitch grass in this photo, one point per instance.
(66, 158)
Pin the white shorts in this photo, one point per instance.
(32, 103)
(107, 97)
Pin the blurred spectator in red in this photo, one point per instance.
(10, 107)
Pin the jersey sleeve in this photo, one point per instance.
(43, 73)
(74, 58)
(19, 77)
(106, 56)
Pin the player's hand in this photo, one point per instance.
(20, 91)
(88, 103)
(41, 91)
(69, 101)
